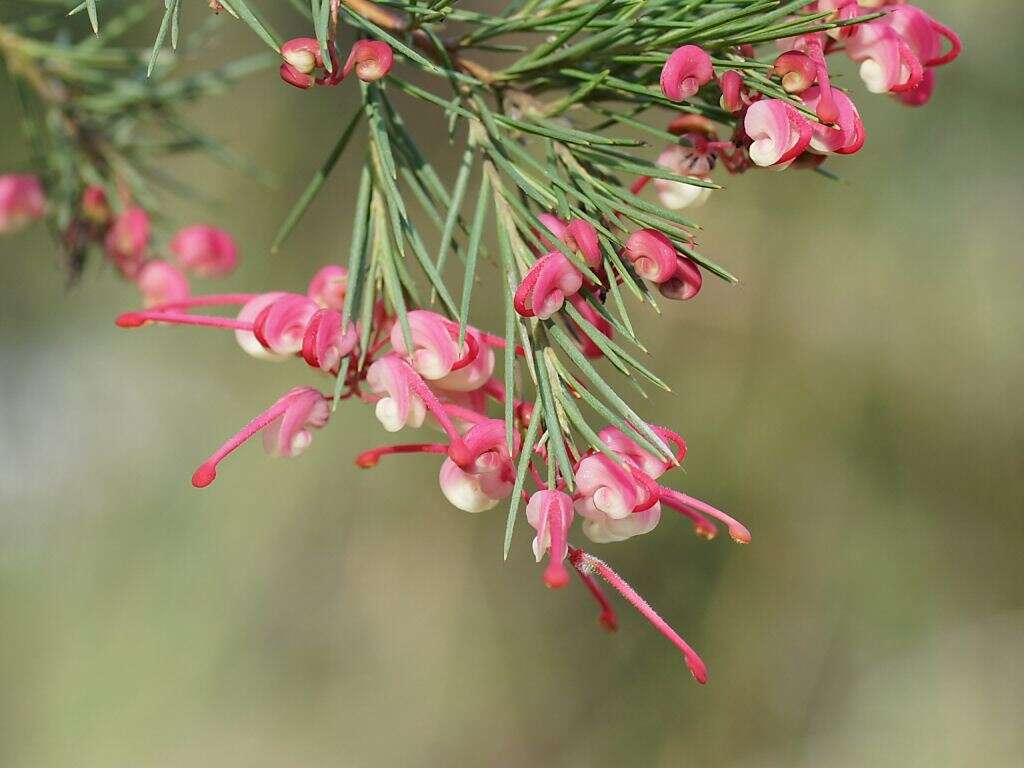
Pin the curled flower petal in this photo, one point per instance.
(372, 60)
(687, 69)
(550, 513)
(22, 201)
(207, 251)
(329, 286)
(160, 282)
(652, 254)
(777, 131)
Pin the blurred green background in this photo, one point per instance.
(855, 399)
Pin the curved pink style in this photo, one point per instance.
(371, 59)
(329, 286)
(286, 430)
(160, 282)
(550, 513)
(478, 472)
(612, 502)
(586, 563)
(207, 251)
(687, 69)
(436, 356)
(22, 202)
(685, 283)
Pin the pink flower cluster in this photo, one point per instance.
(897, 53)
(427, 373)
(303, 59)
(200, 249)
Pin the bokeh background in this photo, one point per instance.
(856, 400)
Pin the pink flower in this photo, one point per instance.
(286, 429)
(372, 60)
(683, 161)
(614, 504)
(301, 58)
(577, 235)
(204, 250)
(922, 94)
(688, 69)
(546, 285)
(796, 70)
(735, 97)
(436, 356)
(324, 343)
(21, 201)
(779, 133)
(550, 513)
(887, 62)
(847, 135)
(160, 282)
(328, 287)
(398, 406)
(280, 326)
(478, 472)
(128, 240)
(655, 258)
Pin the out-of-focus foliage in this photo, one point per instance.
(855, 399)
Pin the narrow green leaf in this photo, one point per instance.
(525, 455)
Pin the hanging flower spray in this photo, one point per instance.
(584, 148)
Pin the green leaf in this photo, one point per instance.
(475, 235)
(316, 183)
(526, 453)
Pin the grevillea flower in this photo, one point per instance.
(204, 250)
(577, 235)
(286, 429)
(160, 282)
(436, 356)
(847, 135)
(398, 405)
(922, 94)
(887, 63)
(301, 58)
(778, 133)
(655, 258)
(128, 240)
(550, 513)
(796, 70)
(21, 201)
(683, 161)
(325, 342)
(546, 285)
(480, 473)
(735, 97)
(280, 326)
(688, 69)
(329, 286)
(614, 505)
(371, 59)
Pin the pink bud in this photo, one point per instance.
(95, 206)
(328, 287)
(128, 240)
(687, 69)
(372, 60)
(731, 83)
(207, 251)
(21, 201)
(160, 282)
(302, 54)
(652, 254)
(797, 70)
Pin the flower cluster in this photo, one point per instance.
(126, 239)
(424, 375)
(897, 53)
(574, 235)
(303, 58)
